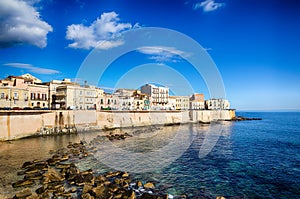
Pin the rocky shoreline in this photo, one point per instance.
(241, 118)
(58, 177)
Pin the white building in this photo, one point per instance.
(217, 104)
(73, 96)
(159, 95)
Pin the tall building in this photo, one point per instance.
(158, 95)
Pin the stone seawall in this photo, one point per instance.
(20, 124)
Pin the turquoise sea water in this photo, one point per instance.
(251, 159)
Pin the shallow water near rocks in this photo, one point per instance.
(251, 159)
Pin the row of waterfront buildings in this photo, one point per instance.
(29, 92)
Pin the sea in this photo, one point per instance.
(244, 159)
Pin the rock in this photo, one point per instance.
(88, 178)
(73, 190)
(87, 196)
(114, 188)
(139, 183)
(27, 164)
(63, 166)
(125, 175)
(149, 185)
(33, 176)
(129, 194)
(23, 194)
(52, 176)
(40, 190)
(86, 188)
(99, 191)
(100, 178)
(149, 196)
(23, 183)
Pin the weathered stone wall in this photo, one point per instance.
(19, 124)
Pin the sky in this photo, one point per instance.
(253, 43)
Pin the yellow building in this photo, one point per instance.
(182, 102)
(12, 96)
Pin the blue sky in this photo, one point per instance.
(254, 43)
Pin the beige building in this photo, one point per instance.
(197, 102)
(38, 96)
(73, 96)
(182, 102)
(11, 97)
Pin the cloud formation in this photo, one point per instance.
(208, 5)
(163, 53)
(21, 24)
(33, 69)
(100, 34)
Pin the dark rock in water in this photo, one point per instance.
(63, 166)
(23, 183)
(34, 176)
(129, 194)
(149, 196)
(77, 179)
(23, 194)
(139, 183)
(88, 177)
(27, 164)
(149, 185)
(241, 118)
(40, 190)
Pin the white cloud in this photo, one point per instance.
(163, 53)
(100, 34)
(21, 24)
(208, 5)
(33, 69)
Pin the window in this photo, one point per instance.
(15, 95)
(2, 95)
(38, 96)
(32, 96)
(101, 101)
(108, 101)
(44, 97)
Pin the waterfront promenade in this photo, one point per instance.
(25, 123)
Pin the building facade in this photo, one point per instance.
(197, 102)
(158, 96)
(217, 104)
(182, 102)
(73, 96)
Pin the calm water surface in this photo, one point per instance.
(251, 159)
